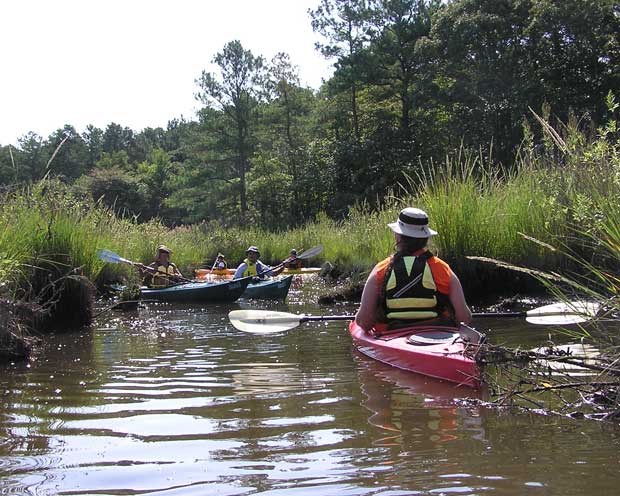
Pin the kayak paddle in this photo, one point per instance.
(572, 312)
(309, 253)
(268, 322)
(111, 257)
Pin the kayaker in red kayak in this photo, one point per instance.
(252, 266)
(162, 272)
(412, 286)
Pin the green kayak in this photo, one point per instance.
(199, 292)
(270, 289)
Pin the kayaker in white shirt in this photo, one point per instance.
(252, 266)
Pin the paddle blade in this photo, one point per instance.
(574, 312)
(263, 321)
(311, 252)
(111, 257)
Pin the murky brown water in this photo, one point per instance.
(171, 400)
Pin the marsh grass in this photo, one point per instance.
(478, 208)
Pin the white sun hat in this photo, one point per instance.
(412, 222)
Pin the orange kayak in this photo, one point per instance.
(446, 353)
(303, 270)
(214, 274)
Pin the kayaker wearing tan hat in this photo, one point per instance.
(162, 272)
(411, 286)
(252, 266)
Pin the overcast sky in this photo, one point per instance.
(133, 62)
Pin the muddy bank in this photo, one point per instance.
(17, 323)
(64, 304)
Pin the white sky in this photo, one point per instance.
(133, 62)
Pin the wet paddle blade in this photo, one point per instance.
(574, 312)
(263, 321)
(311, 252)
(111, 257)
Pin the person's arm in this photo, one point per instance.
(275, 272)
(265, 271)
(462, 313)
(147, 272)
(367, 312)
(240, 270)
(177, 272)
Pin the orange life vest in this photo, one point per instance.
(413, 287)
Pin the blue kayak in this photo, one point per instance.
(269, 289)
(198, 292)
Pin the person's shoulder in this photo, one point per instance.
(383, 263)
(435, 260)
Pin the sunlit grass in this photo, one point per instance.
(477, 208)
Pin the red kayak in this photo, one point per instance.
(446, 353)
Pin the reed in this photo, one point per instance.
(477, 208)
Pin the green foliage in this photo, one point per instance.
(415, 81)
(236, 93)
(269, 189)
(114, 188)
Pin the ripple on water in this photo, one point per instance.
(172, 400)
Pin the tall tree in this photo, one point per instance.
(574, 52)
(235, 93)
(399, 27)
(286, 125)
(31, 158)
(494, 59)
(93, 137)
(117, 138)
(344, 23)
(68, 154)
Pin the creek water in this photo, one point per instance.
(171, 400)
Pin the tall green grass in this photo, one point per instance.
(478, 209)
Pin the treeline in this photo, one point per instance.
(414, 81)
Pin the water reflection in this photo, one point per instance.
(173, 400)
(398, 399)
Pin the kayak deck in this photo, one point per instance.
(199, 292)
(219, 274)
(450, 359)
(271, 289)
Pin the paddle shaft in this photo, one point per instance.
(499, 315)
(309, 253)
(314, 318)
(491, 315)
(155, 271)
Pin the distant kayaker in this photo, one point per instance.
(220, 263)
(252, 266)
(162, 272)
(293, 262)
(413, 285)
